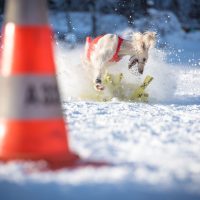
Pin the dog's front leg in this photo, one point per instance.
(98, 73)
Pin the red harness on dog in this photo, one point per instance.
(93, 42)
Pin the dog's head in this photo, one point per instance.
(141, 42)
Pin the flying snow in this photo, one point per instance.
(75, 81)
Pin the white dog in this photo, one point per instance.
(105, 50)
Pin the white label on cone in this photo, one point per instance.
(29, 97)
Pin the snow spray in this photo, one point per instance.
(78, 83)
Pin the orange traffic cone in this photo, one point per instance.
(31, 121)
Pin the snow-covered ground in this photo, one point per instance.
(154, 147)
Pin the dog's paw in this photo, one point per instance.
(99, 87)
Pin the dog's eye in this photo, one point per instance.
(144, 59)
(136, 60)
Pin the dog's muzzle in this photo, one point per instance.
(134, 61)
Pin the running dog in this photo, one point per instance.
(108, 49)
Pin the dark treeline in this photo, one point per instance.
(188, 11)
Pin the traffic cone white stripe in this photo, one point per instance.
(35, 97)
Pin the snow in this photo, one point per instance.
(154, 147)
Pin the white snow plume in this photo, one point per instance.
(75, 83)
(72, 78)
(163, 87)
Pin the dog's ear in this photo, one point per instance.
(137, 40)
(149, 39)
(136, 36)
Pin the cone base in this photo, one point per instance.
(76, 162)
(64, 161)
(24, 141)
(36, 140)
(54, 162)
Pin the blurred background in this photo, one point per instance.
(73, 20)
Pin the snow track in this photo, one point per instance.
(154, 147)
